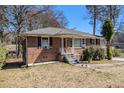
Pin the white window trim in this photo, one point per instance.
(48, 42)
(80, 43)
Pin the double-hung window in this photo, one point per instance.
(45, 42)
(77, 42)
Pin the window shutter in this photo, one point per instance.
(90, 41)
(51, 41)
(39, 41)
(86, 41)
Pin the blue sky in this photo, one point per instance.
(77, 17)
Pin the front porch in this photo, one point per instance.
(71, 45)
(74, 46)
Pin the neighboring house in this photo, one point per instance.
(118, 40)
(50, 44)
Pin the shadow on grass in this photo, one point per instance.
(13, 65)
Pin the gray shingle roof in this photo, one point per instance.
(51, 31)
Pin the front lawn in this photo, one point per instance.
(62, 75)
(99, 62)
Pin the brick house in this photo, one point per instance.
(50, 44)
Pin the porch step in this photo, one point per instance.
(71, 58)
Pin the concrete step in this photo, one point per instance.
(71, 58)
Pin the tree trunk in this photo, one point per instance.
(17, 45)
(110, 12)
(94, 26)
(18, 48)
(109, 51)
(1, 36)
(94, 21)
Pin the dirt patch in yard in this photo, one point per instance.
(61, 75)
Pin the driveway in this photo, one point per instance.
(118, 59)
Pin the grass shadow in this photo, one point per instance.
(13, 65)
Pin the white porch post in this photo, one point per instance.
(72, 45)
(62, 45)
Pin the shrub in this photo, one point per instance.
(94, 52)
(89, 53)
(3, 54)
(99, 53)
(116, 52)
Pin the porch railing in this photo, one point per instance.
(64, 51)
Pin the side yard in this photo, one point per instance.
(62, 75)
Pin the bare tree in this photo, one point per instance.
(47, 17)
(94, 13)
(3, 22)
(25, 18)
(103, 12)
(16, 15)
(112, 12)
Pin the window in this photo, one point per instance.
(83, 41)
(39, 41)
(45, 42)
(97, 42)
(93, 41)
(87, 41)
(77, 42)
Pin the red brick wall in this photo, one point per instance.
(77, 51)
(36, 54)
